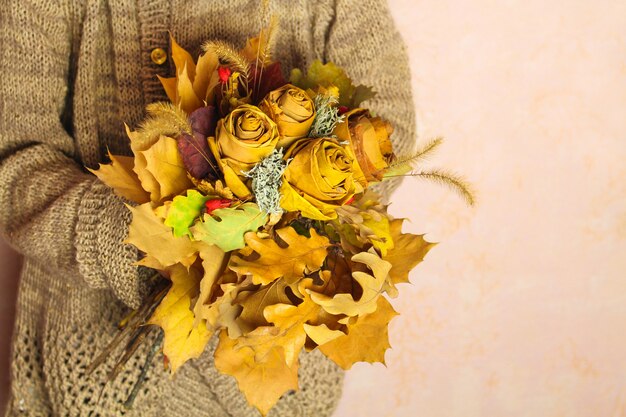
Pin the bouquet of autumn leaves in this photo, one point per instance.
(252, 200)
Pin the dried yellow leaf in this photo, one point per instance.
(371, 282)
(366, 340)
(150, 235)
(120, 176)
(263, 380)
(183, 340)
(302, 256)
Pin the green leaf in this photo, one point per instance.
(184, 211)
(361, 93)
(329, 74)
(225, 227)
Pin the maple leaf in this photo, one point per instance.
(183, 211)
(165, 164)
(372, 286)
(149, 234)
(327, 75)
(263, 380)
(301, 256)
(361, 93)
(182, 339)
(281, 342)
(120, 176)
(321, 333)
(366, 340)
(409, 250)
(150, 262)
(226, 227)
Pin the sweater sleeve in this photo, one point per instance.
(48, 205)
(364, 41)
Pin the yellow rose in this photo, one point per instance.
(292, 110)
(318, 179)
(242, 139)
(369, 142)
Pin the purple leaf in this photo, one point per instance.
(265, 80)
(197, 156)
(204, 120)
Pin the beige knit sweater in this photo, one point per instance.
(71, 72)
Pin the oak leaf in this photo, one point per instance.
(321, 333)
(216, 189)
(149, 234)
(290, 321)
(120, 176)
(183, 211)
(366, 340)
(409, 250)
(364, 224)
(301, 256)
(226, 227)
(255, 300)
(183, 340)
(372, 284)
(215, 304)
(262, 379)
(213, 263)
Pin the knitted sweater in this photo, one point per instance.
(71, 72)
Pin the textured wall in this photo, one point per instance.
(521, 310)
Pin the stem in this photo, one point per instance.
(144, 371)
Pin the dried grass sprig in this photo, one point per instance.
(227, 54)
(264, 54)
(168, 113)
(422, 154)
(164, 119)
(453, 181)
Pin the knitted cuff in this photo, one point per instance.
(104, 260)
(86, 240)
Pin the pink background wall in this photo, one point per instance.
(521, 310)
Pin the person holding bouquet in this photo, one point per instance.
(73, 73)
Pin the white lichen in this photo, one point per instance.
(326, 117)
(266, 181)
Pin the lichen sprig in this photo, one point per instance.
(327, 116)
(266, 181)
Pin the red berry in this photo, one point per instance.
(224, 73)
(219, 203)
(342, 110)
